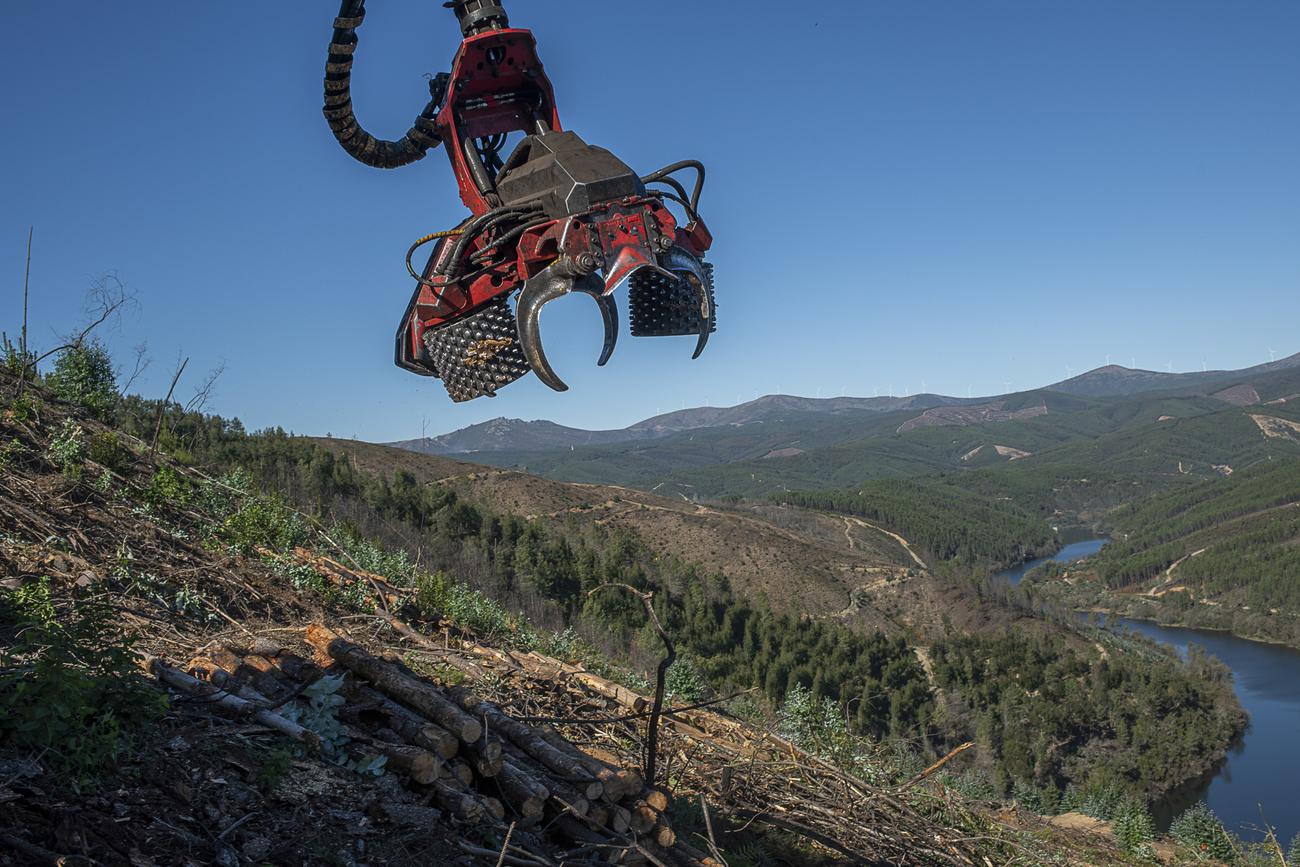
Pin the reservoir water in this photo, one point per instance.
(1257, 781)
(1068, 554)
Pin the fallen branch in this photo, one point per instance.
(936, 766)
(231, 704)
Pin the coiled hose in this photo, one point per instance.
(419, 139)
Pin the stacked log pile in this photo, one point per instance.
(464, 758)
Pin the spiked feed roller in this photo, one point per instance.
(555, 217)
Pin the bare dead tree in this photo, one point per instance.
(204, 392)
(142, 362)
(162, 405)
(106, 300)
(670, 655)
(27, 279)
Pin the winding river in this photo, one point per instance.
(1257, 782)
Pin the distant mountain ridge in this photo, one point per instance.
(1114, 380)
(514, 434)
(518, 435)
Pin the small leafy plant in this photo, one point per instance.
(83, 375)
(1201, 833)
(67, 448)
(318, 711)
(106, 449)
(165, 488)
(1134, 830)
(70, 691)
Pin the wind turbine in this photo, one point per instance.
(1271, 355)
(1169, 367)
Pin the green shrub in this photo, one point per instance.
(12, 357)
(1293, 853)
(263, 522)
(815, 724)
(20, 408)
(684, 681)
(1199, 831)
(750, 854)
(67, 448)
(1040, 801)
(973, 785)
(83, 375)
(1134, 831)
(1101, 800)
(70, 691)
(396, 566)
(566, 646)
(106, 449)
(220, 497)
(10, 453)
(166, 488)
(437, 595)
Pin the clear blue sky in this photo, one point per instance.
(950, 193)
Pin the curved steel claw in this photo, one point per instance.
(608, 314)
(539, 291)
(705, 302)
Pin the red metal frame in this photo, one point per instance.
(498, 85)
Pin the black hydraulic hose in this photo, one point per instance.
(676, 167)
(363, 146)
(690, 212)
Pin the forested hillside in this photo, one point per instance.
(957, 529)
(510, 577)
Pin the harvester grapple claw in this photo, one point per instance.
(608, 316)
(549, 284)
(550, 214)
(674, 300)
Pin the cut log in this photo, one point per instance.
(464, 805)
(657, 798)
(231, 704)
(664, 836)
(587, 787)
(461, 771)
(394, 682)
(621, 819)
(413, 728)
(420, 765)
(485, 754)
(617, 783)
(643, 819)
(265, 677)
(522, 792)
(550, 667)
(525, 737)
